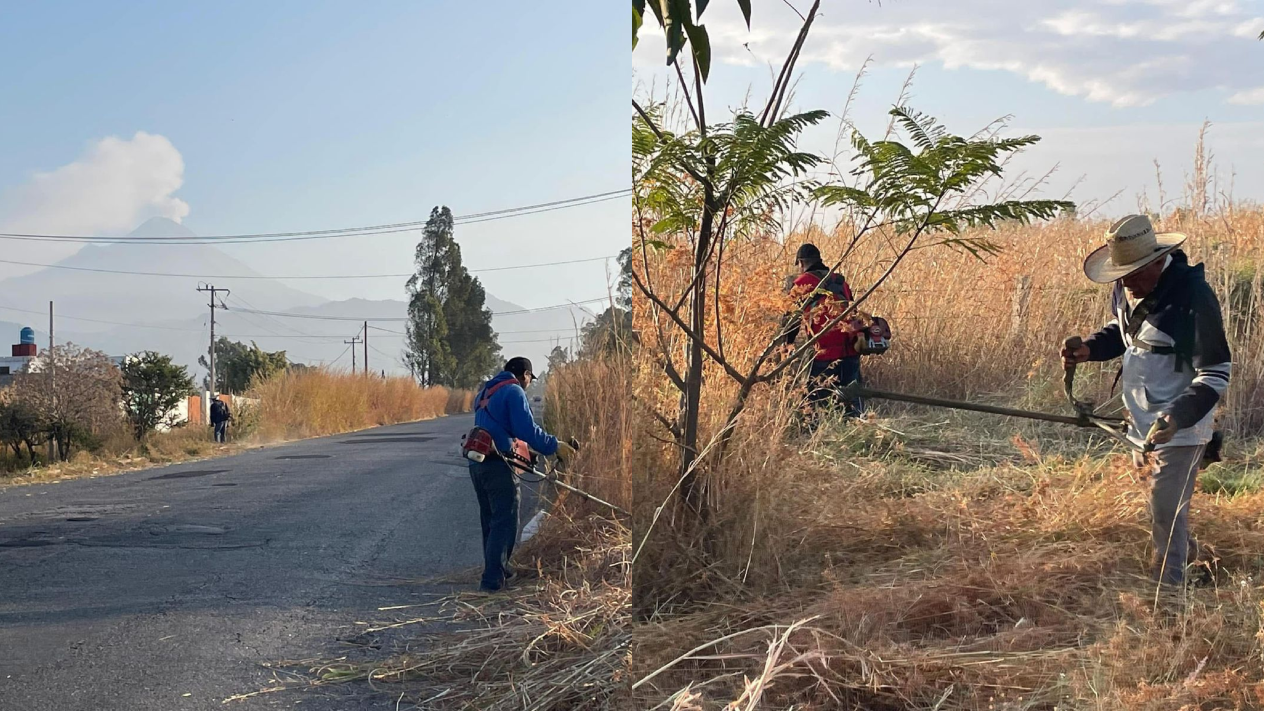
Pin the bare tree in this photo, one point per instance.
(86, 399)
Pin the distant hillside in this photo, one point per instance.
(532, 334)
(168, 315)
(306, 340)
(112, 297)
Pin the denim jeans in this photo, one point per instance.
(827, 378)
(221, 431)
(1171, 488)
(497, 492)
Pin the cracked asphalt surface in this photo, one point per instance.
(168, 588)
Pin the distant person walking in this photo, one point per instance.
(501, 411)
(836, 362)
(220, 417)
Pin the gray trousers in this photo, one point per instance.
(1174, 472)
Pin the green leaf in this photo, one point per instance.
(843, 195)
(702, 6)
(701, 46)
(638, 15)
(676, 17)
(746, 12)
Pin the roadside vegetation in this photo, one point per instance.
(558, 638)
(106, 419)
(920, 559)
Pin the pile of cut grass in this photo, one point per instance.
(553, 643)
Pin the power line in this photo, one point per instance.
(96, 320)
(498, 333)
(260, 276)
(398, 362)
(274, 334)
(282, 324)
(340, 357)
(542, 340)
(405, 318)
(473, 218)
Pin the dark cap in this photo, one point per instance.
(519, 366)
(807, 252)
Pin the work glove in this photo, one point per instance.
(566, 451)
(1162, 431)
(1070, 356)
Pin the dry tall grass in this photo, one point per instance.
(943, 561)
(589, 400)
(966, 328)
(311, 403)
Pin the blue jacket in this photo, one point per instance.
(508, 415)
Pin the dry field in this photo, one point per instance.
(311, 403)
(931, 560)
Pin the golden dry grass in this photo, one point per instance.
(931, 560)
(311, 403)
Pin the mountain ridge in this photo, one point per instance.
(168, 315)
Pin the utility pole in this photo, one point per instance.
(355, 341)
(52, 382)
(366, 349)
(206, 406)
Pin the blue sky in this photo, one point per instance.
(262, 117)
(1111, 85)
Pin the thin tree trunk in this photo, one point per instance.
(693, 374)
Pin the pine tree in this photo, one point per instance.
(450, 338)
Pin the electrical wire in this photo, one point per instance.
(344, 355)
(330, 233)
(498, 333)
(541, 340)
(282, 324)
(97, 320)
(405, 318)
(307, 276)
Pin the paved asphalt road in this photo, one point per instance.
(166, 588)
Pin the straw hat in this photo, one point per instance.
(1130, 245)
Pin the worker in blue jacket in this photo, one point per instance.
(501, 408)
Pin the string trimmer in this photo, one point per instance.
(521, 465)
(479, 444)
(1085, 416)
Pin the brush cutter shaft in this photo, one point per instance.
(855, 391)
(552, 477)
(582, 494)
(1106, 424)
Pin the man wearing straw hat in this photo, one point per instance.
(1167, 327)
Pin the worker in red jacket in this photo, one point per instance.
(836, 362)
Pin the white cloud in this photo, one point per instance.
(116, 184)
(1125, 159)
(1248, 96)
(1121, 52)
